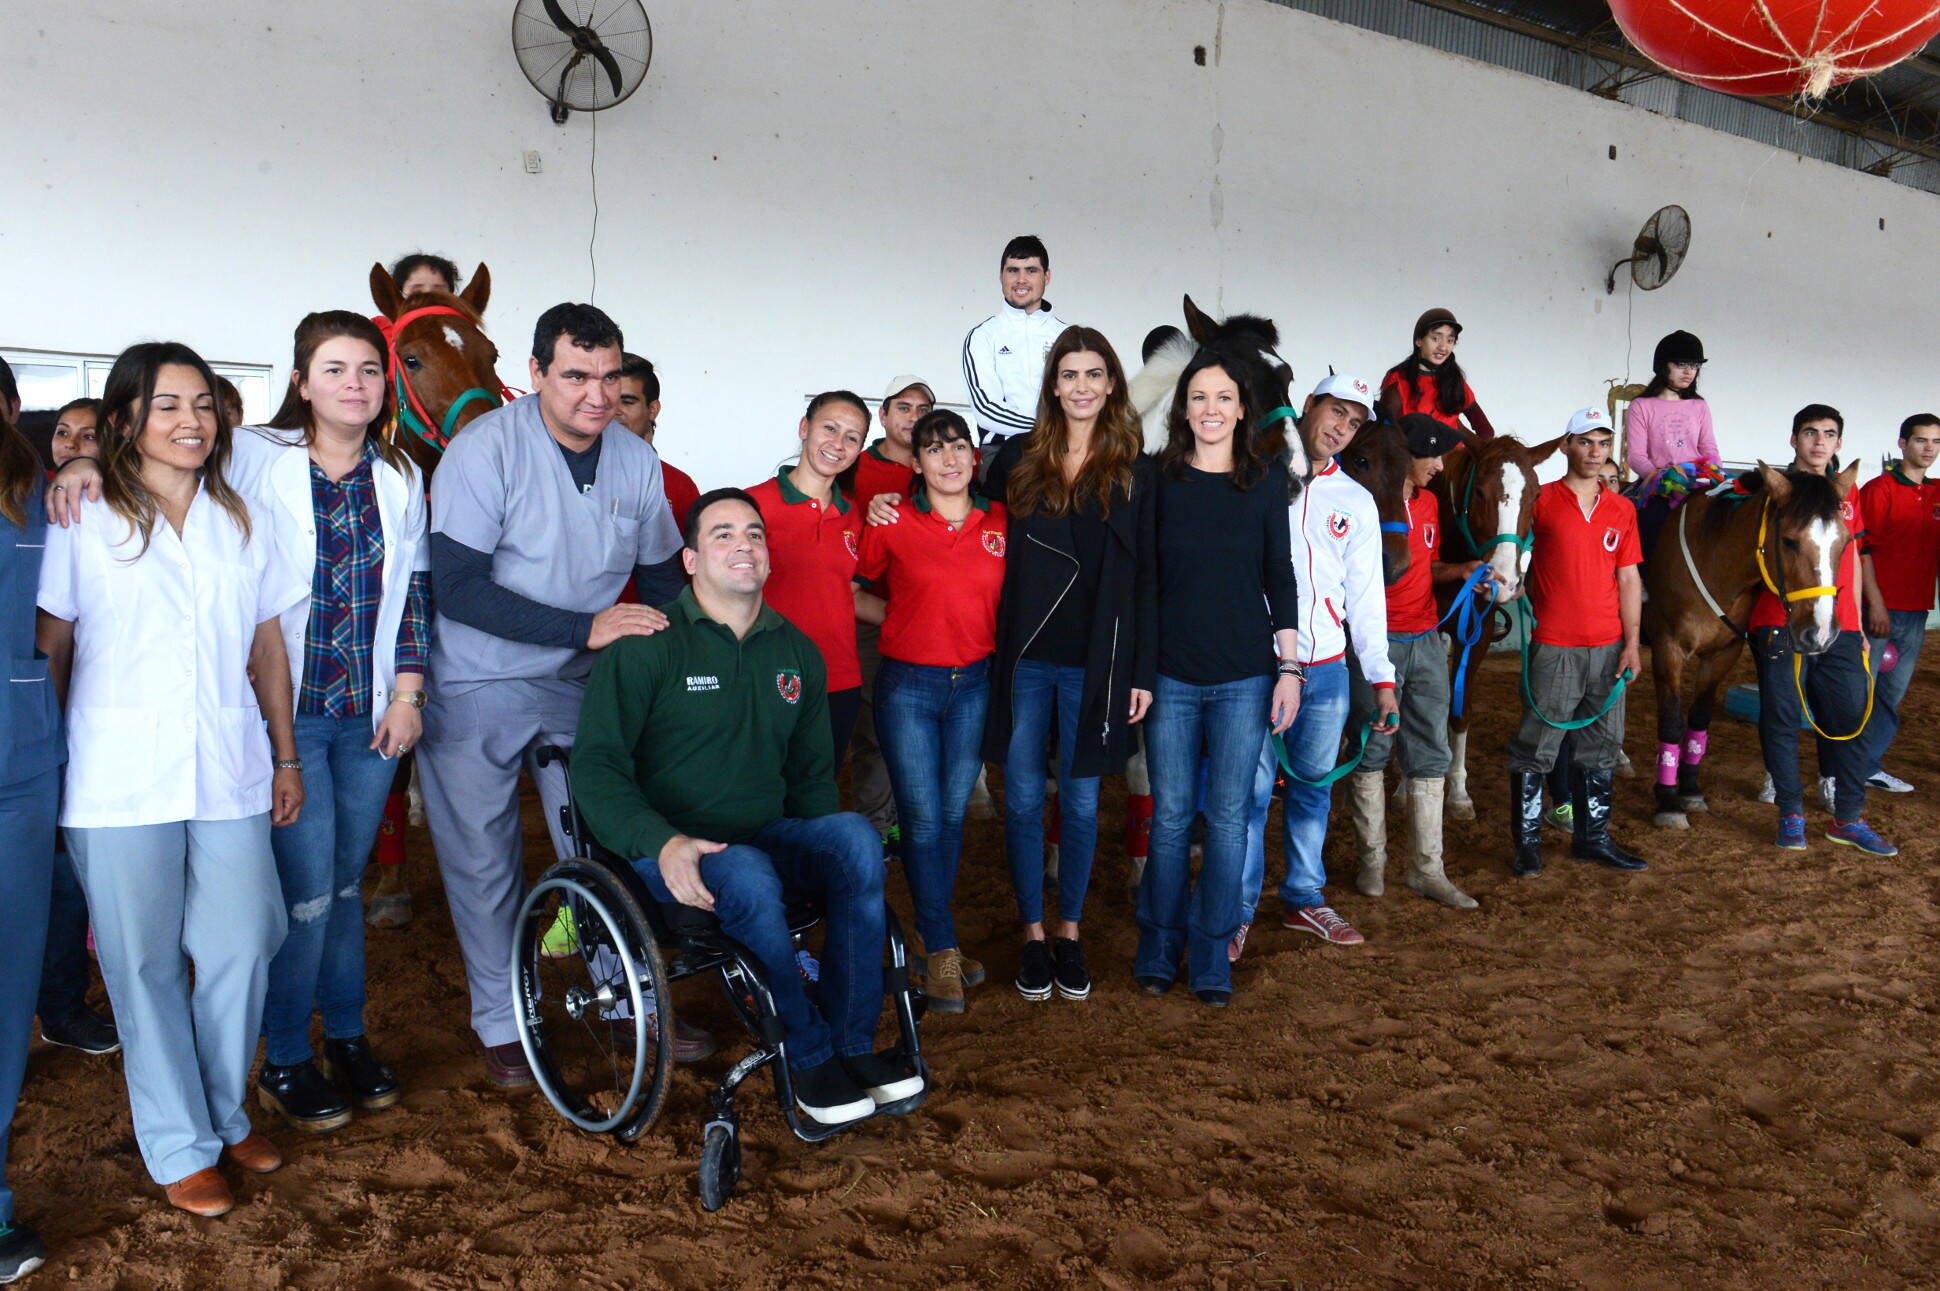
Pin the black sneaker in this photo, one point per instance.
(887, 1077)
(828, 1094)
(1215, 999)
(85, 1030)
(300, 1095)
(20, 1252)
(1068, 969)
(1034, 972)
(353, 1068)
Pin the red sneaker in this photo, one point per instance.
(1237, 946)
(1322, 922)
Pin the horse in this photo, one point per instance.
(1487, 494)
(1377, 459)
(1711, 562)
(439, 363)
(1265, 383)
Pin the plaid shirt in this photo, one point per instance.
(344, 595)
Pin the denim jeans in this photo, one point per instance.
(837, 858)
(64, 974)
(320, 861)
(1835, 686)
(1038, 690)
(929, 721)
(1176, 918)
(1909, 631)
(1313, 746)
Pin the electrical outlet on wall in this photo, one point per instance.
(531, 161)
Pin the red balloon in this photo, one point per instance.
(1889, 657)
(1776, 47)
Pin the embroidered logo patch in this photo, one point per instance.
(789, 683)
(1339, 523)
(993, 542)
(849, 541)
(1428, 536)
(1845, 512)
(1611, 538)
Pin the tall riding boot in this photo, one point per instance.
(1591, 792)
(1526, 822)
(1368, 805)
(1425, 874)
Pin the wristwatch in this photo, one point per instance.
(288, 764)
(415, 698)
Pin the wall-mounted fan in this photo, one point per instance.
(583, 55)
(1658, 250)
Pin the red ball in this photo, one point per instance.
(1888, 657)
(1776, 47)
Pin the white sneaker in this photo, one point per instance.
(1768, 794)
(1889, 782)
(1828, 787)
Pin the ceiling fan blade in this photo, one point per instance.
(610, 63)
(559, 19)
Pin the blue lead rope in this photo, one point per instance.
(1471, 621)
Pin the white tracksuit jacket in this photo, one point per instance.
(1337, 562)
(1003, 364)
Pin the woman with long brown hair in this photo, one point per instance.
(1077, 638)
(159, 619)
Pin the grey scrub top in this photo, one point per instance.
(504, 488)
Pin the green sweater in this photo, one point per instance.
(690, 731)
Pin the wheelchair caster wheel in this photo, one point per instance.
(720, 1165)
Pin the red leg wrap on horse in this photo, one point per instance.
(390, 835)
(1138, 825)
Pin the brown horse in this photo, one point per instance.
(1377, 459)
(1487, 494)
(1713, 547)
(443, 356)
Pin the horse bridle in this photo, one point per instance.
(410, 409)
(1521, 542)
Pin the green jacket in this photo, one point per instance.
(690, 731)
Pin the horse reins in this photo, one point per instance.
(410, 409)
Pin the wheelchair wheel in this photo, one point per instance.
(720, 1164)
(591, 999)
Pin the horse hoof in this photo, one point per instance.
(1627, 770)
(1463, 809)
(1671, 820)
(1694, 804)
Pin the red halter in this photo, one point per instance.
(419, 420)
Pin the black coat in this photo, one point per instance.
(1123, 653)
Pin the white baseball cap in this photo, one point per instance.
(908, 382)
(1346, 387)
(1585, 420)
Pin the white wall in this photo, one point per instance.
(812, 195)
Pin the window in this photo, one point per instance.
(49, 379)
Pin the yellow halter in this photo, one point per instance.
(1798, 660)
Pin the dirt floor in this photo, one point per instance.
(1718, 1073)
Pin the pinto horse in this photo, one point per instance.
(1487, 495)
(442, 368)
(1264, 381)
(1774, 530)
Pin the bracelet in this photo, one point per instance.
(1289, 668)
(288, 764)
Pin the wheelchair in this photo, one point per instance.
(592, 963)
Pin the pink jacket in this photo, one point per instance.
(1663, 431)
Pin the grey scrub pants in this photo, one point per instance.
(1570, 682)
(1421, 692)
(477, 736)
(194, 897)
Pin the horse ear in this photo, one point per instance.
(1777, 487)
(1543, 452)
(384, 293)
(1845, 479)
(1201, 328)
(479, 289)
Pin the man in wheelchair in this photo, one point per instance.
(704, 753)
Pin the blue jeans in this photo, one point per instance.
(1038, 690)
(1909, 631)
(929, 722)
(320, 861)
(837, 858)
(64, 974)
(26, 860)
(1175, 918)
(1313, 746)
(1835, 686)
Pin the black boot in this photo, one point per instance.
(353, 1068)
(300, 1095)
(1526, 822)
(1590, 791)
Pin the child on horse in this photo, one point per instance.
(1669, 443)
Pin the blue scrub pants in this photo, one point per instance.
(26, 870)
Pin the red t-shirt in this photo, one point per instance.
(945, 583)
(1422, 396)
(875, 473)
(1768, 613)
(811, 570)
(1411, 598)
(1573, 574)
(681, 492)
(1903, 538)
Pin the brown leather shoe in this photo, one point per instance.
(506, 1067)
(205, 1193)
(255, 1154)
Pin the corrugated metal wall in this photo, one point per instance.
(1666, 95)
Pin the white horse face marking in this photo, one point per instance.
(1822, 541)
(457, 341)
(1505, 560)
(1297, 462)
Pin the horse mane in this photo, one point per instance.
(1813, 498)
(1150, 389)
(423, 299)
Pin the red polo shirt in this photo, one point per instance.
(1903, 538)
(944, 582)
(1768, 613)
(811, 568)
(876, 473)
(681, 492)
(1573, 574)
(1422, 394)
(1411, 598)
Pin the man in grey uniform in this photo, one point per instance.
(538, 518)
